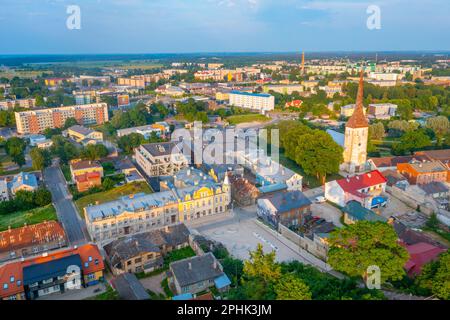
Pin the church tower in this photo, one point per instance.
(303, 63)
(356, 135)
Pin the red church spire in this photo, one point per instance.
(358, 119)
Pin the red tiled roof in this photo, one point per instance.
(358, 118)
(15, 269)
(420, 254)
(355, 183)
(31, 235)
(393, 161)
(87, 176)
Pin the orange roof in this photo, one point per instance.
(358, 119)
(87, 176)
(15, 269)
(18, 238)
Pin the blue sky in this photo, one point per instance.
(176, 26)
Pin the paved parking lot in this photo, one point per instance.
(327, 212)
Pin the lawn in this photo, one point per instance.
(253, 117)
(66, 172)
(113, 194)
(179, 254)
(17, 219)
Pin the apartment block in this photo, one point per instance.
(160, 159)
(254, 101)
(37, 121)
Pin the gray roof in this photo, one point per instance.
(196, 269)
(130, 288)
(131, 203)
(434, 187)
(286, 201)
(81, 130)
(160, 148)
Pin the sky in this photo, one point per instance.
(184, 26)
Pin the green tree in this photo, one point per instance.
(94, 152)
(435, 277)
(70, 122)
(376, 131)
(318, 154)
(108, 183)
(15, 148)
(290, 287)
(354, 248)
(40, 158)
(262, 265)
(129, 142)
(440, 126)
(412, 141)
(42, 197)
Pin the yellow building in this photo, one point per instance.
(80, 167)
(84, 135)
(222, 96)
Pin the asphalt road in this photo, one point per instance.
(67, 213)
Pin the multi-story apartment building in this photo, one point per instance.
(21, 103)
(140, 213)
(37, 121)
(160, 159)
(255, 101)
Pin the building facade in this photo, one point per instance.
(254, 101)
(37, 121)
(160, 159)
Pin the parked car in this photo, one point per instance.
(320, 199)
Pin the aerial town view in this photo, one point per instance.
(233, 150)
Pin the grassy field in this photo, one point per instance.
(113, 194)
(17, 219)
(233, 120)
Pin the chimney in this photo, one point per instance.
(215, 264)
(189, 266)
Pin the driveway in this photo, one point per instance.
(327, 212)
(154, 283)
(62, 200)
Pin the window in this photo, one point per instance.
(96, 262)
(19, 283)
(11, 279)
(90, 259)
(86, 264)
(5, 286)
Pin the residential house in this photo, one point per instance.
(31, 240)
(84, 135)
(130, 288)
(420, 254)
(161, 129)
(51, 273)
(243, 192)
(288, 208)
(88, 181)
(367, 189)
(354, 212)
(197, 274)
(80, 167)
(144, 252)
(23, 181)
(4, 192)
(423, 172)
(390, 163)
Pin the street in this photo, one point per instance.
(67, 213)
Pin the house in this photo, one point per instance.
(288, 208)
(88, 181)
(161, 129)
(130, 288)
(23, 181)
(45, 144)
(423, 172)
(196, 274)
(438, 155)
(79, 167)
(55, 272)
(365, 188)
(31, 240)
(4, 192)
(36, 138)
(243, 192)
(435, 190)
(84, 135)
(390, 163)
(160, 159)
(394, 178)
(144, 252)
(382, 110)
(419, 255)
(354, 212)
(293, 104)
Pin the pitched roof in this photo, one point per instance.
(129, 287)
(358, 182)
(84, 164)
(393, 161)
(358, 212)
(427, 167)
(193, 270)
(87, 176)
(434, 187)
(161, 148)
(81, 130)
(420, 254)
(24, 178)
(441, 155)
(31, 235)
(358, 119)
(286, 201)
(89, 255)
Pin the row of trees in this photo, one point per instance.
(129, 142)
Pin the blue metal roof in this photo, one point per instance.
(222, 281)
(184, 296)
(273, 188)
(50, 269)
(358, 212)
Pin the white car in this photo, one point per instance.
(320, 199)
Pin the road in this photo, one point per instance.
(67, 213)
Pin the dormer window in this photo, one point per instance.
(11, 279)
(5, 286)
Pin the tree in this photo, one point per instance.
(318, 154)
(108, 183)
(129, 142)
(40, 158)
(70, 122)
(290, 287)
(262, 266)
(42, 197)
(95, 152)
(376, 131)
(15, 148)
(440, 126)
(411, 141)
(355, 248)
(435, 277)
(24, 200)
